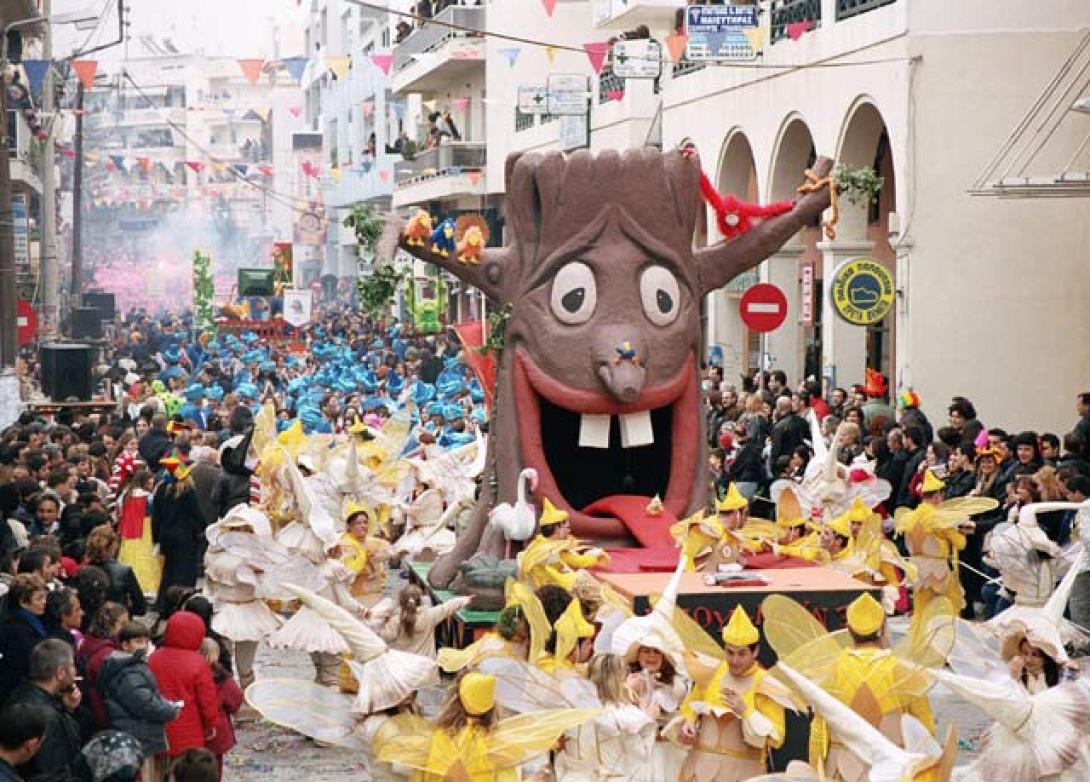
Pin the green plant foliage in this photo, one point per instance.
(859, 184)
(204, 291)
(377, 291)
(366, 224)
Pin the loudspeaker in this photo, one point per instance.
(103, 302)
(67, 371)
(86, 323)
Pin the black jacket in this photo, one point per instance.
(905, 498)
(56, 759)
(133, 700)
(17, 640)
(125, 588)
(154, 446)
(960, 484)
(788, 434)
(8, 772)
(746, 466)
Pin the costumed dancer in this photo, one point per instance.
(869, 557)
(1027, 560)
(615, 746)
(177, 526)
(411, 626)
(653, 654)
(386, 684)
(364, 555)
(797, 539)
(934, 533)
(565, 652)
(554, 556)
(231, 583)
(697, 536)
(468, 741)
(735, 712)
(875, 683)
(520, 634)
(134, 528)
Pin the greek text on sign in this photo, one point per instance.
(569, 93)
(862, 291)
(718, 32)
(639, 59)
(533, 99)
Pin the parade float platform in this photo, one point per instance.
(825, 592)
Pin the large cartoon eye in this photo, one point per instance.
(574, 294)
(660, 295)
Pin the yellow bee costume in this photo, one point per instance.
(493, 644)
(549, 561)
(788, 517)
(731, 747)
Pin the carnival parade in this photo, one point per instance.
(355, 426)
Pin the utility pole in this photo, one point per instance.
(9, 345)
(76, 286)
(50, 286)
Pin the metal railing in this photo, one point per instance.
(785, 12)
(442, 160)
(523, 121)
(609, 84)
(845, 9)
(686, 66)
(429, 37)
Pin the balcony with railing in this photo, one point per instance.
(436, 54)
(369, 180)
(845, 9)
(788, 12)
(442, 172)
(656, 14)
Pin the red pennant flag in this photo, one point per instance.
(111, 166)
(461, 104)
(295, 111)
(384, 175)
(596, 53)
(85, 70)
(474, 176)
(615, 94)
(68, 152)
(675, 45)
(383, 61)
(265, 170)
(795, 30)
(550, 6)
(368, 108)
(196, 165)
(251, 69)
(471, 334)
(144, 163)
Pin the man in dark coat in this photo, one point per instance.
(22, 727)
(789, 432)
(51, 685)
(916, 448)
(156, 443)
(1082, 407)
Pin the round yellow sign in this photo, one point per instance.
(862, 291)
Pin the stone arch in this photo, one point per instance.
(792, 153)
(736, 171)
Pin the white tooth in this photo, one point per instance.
(593, 431)
(636, 429)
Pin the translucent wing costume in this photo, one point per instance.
(317, 712)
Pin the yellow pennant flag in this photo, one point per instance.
(91, 157)
(217, 166)
(339, 65)
(550, 52)
(335, 172)
(428, 104)
(757, 37)
(263, 112)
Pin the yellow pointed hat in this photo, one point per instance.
(788, 510)
(356, 428)
(859, 512)
(931, 483)
(740, 631)
(550, 514)
(842, 524)
(733, 501)
(570, 628)
(354, 508)
(477, 692)
(865, 615)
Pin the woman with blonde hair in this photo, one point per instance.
(615, 746)
(125, 589)
(849, 436)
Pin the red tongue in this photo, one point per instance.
(651, 532)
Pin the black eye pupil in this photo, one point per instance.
(573, 299)
(664, 300)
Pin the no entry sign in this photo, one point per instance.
(763, 307)
(26, 321)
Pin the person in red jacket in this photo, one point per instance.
(183, 675)
(230, 701)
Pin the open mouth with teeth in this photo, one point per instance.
(594, 455)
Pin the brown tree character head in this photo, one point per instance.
(598, 385)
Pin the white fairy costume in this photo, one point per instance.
(614, 747)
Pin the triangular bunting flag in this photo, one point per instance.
(550, 52)
(383, 61)
(35, 74)
(512, 54)
(295, 111)
(429, 104)
(85, 70)
(196, 165)
(757, 37)
(615, 94)
(550, 6)
(91, 157)
(265, 170)
(596, 53)
(473, 176)
(796, 30)
(675, 45)
(368, 107)
(118, 161)
(68, 152)
(263, 112)
(384, 175)
(218, 166)
(339, 66)
(144, 163)
(335, 173)
(251, 69)
(295, 67)
(461, 104)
